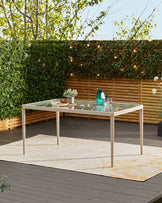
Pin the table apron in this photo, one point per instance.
(108, 114)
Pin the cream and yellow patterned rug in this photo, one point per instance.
(89, 156)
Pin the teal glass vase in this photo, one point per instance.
(100, 97)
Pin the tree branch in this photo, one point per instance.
(36, 25)
(139, 27)
(31, 20)
(25, 24)
(100, 20)
(24, 14)
(69, 23)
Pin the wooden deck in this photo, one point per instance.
(37, 184)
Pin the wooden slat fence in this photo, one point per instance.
(33, 117)
(152, 104)
(121, 90)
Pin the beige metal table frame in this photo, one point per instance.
(112, 114)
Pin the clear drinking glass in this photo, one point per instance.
(110, 104)
(106, 102)
(110, 101)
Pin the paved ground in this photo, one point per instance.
(42, 184)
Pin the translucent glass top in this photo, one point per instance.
(81, 105)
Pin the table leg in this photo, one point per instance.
(58, 126)
(141, 130)
(23, 129)
(112, 131)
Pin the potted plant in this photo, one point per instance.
(154, 91)
(3, 185)
(70, 94)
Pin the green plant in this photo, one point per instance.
(70, 93)
(30, 71)
(12, 78)
(46, 70)
(3, 185)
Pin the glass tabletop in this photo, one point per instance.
(82, 105)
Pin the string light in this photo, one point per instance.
(122, 69)
(71, 58)
(71, 74)
(134, 51)
(98, 75)
(71, 46)
(115, 57)
(135, 67)
(88, 45)
(29, 45)
(81, 64)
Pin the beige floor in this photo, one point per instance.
(89, 156)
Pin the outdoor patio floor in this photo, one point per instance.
(38, 184)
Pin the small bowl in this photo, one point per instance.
(63, 101)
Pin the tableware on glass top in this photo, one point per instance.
(100, 96)
(58, 104)
(108, 102)
(63, 101)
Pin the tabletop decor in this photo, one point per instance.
(100, 96)
(64, 101)
(70, 94)
(154, 91)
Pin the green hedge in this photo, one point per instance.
(35, 71)
(117, 59)
(46, 70)
(12, 81)
(30, 72)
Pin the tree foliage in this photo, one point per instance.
(132, 28)
(47, 19)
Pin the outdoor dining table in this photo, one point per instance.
(88, 108)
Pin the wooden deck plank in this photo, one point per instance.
(30, 183)
(67, 187)
(63, 190)
(60, 178)
(4, 200)
(72, 178)
(77, 187)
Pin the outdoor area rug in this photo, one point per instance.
(89, 156)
